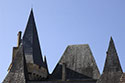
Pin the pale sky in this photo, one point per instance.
(61, 23)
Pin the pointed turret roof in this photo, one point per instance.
(112, 61)
(31, 42)
(112, 69)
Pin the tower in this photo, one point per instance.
(27, 62)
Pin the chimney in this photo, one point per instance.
(63, 72)
(19, 38)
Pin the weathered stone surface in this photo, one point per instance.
(31, 43)
(18, 71)
(112, 69)
(35, 72)
(74, 81)
(15, 49)
(122, 79)
(112, 61)
(80, 64)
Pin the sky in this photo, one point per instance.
(61, 23)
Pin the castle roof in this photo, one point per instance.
(31, 43)
(112, 69)
(80, 63)
(18, 71)
(77, 64)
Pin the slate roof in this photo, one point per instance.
(31, 44)
(80, 63)
(112, 69)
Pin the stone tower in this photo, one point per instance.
(27, 62)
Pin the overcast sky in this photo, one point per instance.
(61, 23)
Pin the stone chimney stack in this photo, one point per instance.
(19, 38)
(63, 72)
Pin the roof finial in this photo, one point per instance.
(31, 6)
(111, 39)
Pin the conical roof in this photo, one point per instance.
(80, 63)
(112, 69)
(31, 43)
(112, 61)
